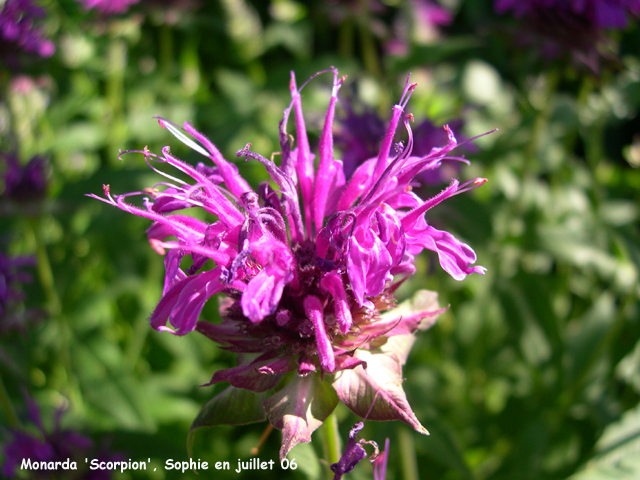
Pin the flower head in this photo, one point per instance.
(17, 30)
(307, 269)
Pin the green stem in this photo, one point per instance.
(8, 407)
(408, 454)
(45, 273)
(166, 50)
(116, 64)
(345, 38)
(47, 280)
(369, 51)
(541, 121)
(331, 441)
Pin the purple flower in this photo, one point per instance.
(574, 26)
(11, 276)
(604, 14)
(24, 183)
(307, 269)
(354, 453)
(59, 445)
(18, 32)
(359, 135)
(108, 7)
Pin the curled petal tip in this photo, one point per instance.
(164, 328)
(243, 152)
(480, 181)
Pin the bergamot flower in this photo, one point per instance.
(307, 271)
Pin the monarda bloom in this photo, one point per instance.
(307, 271)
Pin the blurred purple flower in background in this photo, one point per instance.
(557, 27)
(24, 183)
(11, 276)
(603, 14)
(307, 270)
(108, 7)
(59, 445)
(18, 30)
(358, 135)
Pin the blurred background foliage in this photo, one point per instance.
(533, 372)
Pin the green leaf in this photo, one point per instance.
(299, 409)
(617, 451)
(233, 406)
(382, 382)
(307, 460)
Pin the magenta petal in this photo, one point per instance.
(328, 167)
(385, 148)
(313, 308)
(455, 257)
(348, 362)
(232, 179)
(263, 292)
(183, 303)
(306, 365)
(162, 311)
(357, 185)
(380, 463)
(368, 265)
(260, 375)
(173, 273)
(304, 157)
(332, 283)
(260, 297)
